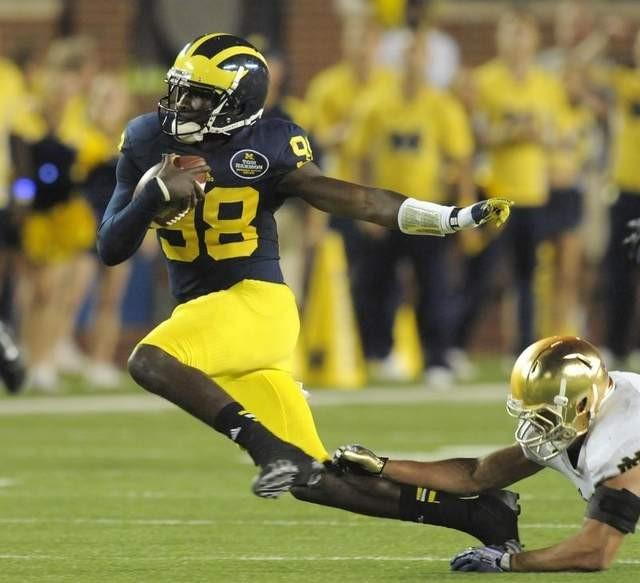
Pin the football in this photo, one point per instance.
(172, 211)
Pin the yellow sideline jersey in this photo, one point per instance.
(626, 150)
(331, 98)
(518, 170)
(14, 117)
(572, 144)
(406, 141)
(69, 227)
(76, 130)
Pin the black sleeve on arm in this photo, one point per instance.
(617, 508)
(126, 221)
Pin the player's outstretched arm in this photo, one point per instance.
(387, 208)
(612, 512)
(462, 476)
(593, 548)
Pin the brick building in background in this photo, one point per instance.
(309, 30)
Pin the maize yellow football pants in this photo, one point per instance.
(243, 338)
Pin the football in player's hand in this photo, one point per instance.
(176, 209)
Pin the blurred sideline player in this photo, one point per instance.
(569, 155)
(225, 354)
(107, 110)
(413, 139)
(441, 56)
(59, 226)
(573, 164)
(573, 416)
(516, 108)
(333, 92)
(78, 56)
(573, 25)
(622, 283)
(12, 370)
(331, 98)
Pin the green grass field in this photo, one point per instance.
(117, 488)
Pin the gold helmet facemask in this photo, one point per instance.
(557, 387)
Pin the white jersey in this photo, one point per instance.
(612, 445)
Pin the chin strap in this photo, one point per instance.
(188, 133)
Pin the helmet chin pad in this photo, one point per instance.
(188, 132)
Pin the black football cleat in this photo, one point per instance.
(496, 517)
(292, 468)
(12, 369)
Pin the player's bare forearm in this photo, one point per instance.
(592, 549)
(453, 475)
(341, 198)
(464, 476)
(345, 199)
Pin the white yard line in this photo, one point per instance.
(264, 558)
(146, 403)
(210, 522)
(32, 557)
(84, 404)
(312, 558)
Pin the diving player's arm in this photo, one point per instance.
(465, 476)
(385, 207)
(612, 512)
(462, 476)
(126, 221)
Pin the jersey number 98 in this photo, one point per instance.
(224, 230)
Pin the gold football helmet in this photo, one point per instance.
(557, 387)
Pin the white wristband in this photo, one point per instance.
(164, 189)
(505, 562)
(419, 217)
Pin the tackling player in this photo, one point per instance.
(225, 354)
(573, 416)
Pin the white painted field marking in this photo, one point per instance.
(312, 558)
(86, 404)
(210, 522)
(426, 558)
(263, 558)
(147, 403)
(31, 557)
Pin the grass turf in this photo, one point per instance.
(158, 497)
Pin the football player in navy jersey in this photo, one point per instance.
(225, 354)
